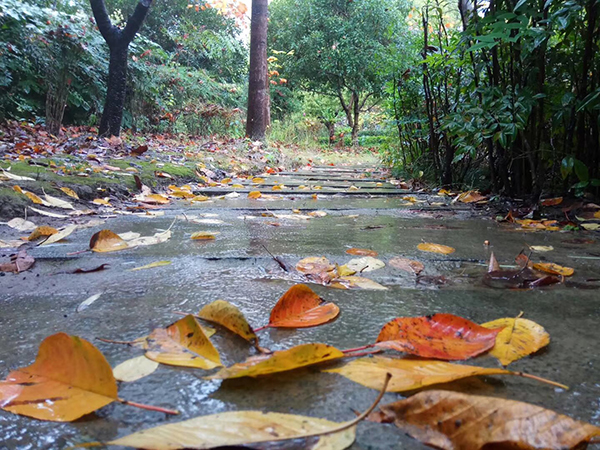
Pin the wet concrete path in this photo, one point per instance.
(362, 211)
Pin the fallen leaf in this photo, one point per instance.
(230, 317)
(101, 201)
(435, 248)
(57, 202)
(314, 265)
(470, 197)
(344, 271)
(317, 214)
(552, 201)
(258, 180)
(134, 369)
(94, 269)
(20, 262)
(200, 198)
(408, 265)
(157, 238)
(42, 231)
(56, 237)
(70, 192)
(162, 175)
(183, 343)
(242, 428)
(590, 226)
(11, 176)
(49, 214)
(554, 269)
(139, 150)
(281, 361)
(154, 199)
(409, 374)
(87, 302)
(355, 282)
(493, 265)
(151, 265)
(107, 241)
(204, 235)
(69, 379)
(541, 248)
(519, 338)
(208, 221)
(34, 198)
(129, 235)
(254, 194)
(441, 336)
(301, 307)
(11, 244)
(451, 420)
(21, 224)
(365, 264)
(361, 252)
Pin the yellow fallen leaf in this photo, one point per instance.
(409, 374)
(237, 186)
(281, 361)
(106, 241)
(519, 338)
(258, 180)
(69, 192)
(541, 248)
(317, 214)
(182, 343)
(204, 235)
(238, 429)
(134, 369)
(355, 282)
(254, 194)
(200, 198)
(62, 234)
(34, 198)
(230, 317)
(43, 230)
(435, 248)
(101, 201)
(151, 265)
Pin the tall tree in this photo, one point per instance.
(118, 41)
(336, 47)
(258, 85)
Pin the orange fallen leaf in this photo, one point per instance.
(106, 241)
(435, 248)
(554, 269)
(204, 235)
(301, 307)
(361, 252)
(552, 201)
(230, 317)
(314, 265)
(451, 420)
(441, 336)
(470, 197)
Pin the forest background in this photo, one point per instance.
(501, 96)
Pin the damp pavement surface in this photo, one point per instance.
(237, 267)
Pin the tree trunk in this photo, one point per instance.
(331, 129)
(258, 92)
(355, 124)
(118, 41)
(112, 116)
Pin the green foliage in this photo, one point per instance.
(189, 86)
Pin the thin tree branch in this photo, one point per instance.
(110, 33)
(135, 21)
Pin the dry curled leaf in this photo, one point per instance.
(20, 262)
(451, 420)
(361, 252)
(441, 336)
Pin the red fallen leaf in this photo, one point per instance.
(138, 151)
(361, 252)
(524, 278)
(441, 336)
(301, 307)
(552, 201)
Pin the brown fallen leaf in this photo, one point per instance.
(451, 420)
(361, 252)
(435, 248)
(18, 263)
(408, 265)
(106, 241)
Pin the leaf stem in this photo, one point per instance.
(261, 328)
(345, 425)
(148, 407)
(357, 349)
(543, 380)
(371, 352)
(110, 341)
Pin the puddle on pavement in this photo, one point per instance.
(236, 267)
